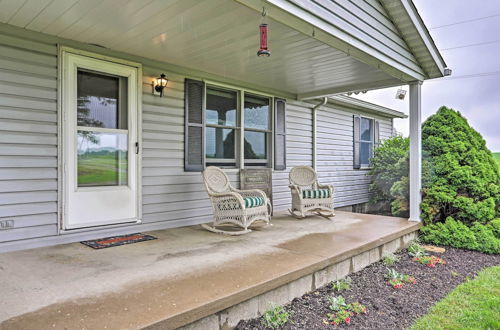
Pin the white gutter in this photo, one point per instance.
(314, 120)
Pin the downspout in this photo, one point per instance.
(314, 148)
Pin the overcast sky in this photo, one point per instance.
(477, 98)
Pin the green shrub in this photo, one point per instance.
(343, 284)
(389, 165)
(460, 177)
(464, 180)
(486, 240)
(275, 317)
(390, 259)
(495, 227)
(454, 233)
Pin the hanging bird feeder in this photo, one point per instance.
(263, 28)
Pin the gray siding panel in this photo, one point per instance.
(334, 141)
(28, 138)
(335, 154)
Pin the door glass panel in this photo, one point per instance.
(256, 112)
(221, 107)
(255, 145)
(102, 159)
(219, 143)
(101, 100)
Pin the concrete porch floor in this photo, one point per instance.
(184, 275)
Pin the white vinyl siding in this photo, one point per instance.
(28, 138)
(334, 152)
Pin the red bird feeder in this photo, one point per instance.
(263, 51)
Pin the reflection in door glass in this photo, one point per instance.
(102, 159)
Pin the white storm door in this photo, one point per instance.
(100, 135)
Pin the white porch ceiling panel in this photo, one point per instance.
(216, 36)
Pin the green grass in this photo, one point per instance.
(100, 170)
(496, 156)
(474, 304)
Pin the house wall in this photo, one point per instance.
(170, 196)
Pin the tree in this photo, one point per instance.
(389, 165)
(463, 180)
(460, 178)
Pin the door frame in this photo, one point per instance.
(62, 175)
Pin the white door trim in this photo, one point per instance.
(62, 158)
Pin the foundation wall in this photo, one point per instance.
(256, 306)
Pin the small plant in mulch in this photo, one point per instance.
(275, 317)
(416, 250)
(341, 285)
(429, 261)
(398, 280)
(390, 259)
(342, 311)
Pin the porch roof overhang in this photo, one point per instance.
(217, 40)
(361, 105)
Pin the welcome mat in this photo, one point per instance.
(117, 240)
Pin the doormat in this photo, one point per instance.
(117, 240)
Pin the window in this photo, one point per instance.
(366, 137)
(366, 141)
(257, 130)
(221, 125)
(231, 128)
(223, 122)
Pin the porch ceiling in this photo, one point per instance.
(217, 36)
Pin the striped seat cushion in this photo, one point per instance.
(318, 193)
(253, 201)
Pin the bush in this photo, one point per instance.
(460, 177)
(464, 180)
(454, 233)
(389, 165)
(495, 227)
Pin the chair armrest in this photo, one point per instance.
(229, 195)
(326, 186)
(298, 189)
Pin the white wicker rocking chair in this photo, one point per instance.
(233, 206)
(308, 195)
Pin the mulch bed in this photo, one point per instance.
(387, 308)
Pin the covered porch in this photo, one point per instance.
(190, 275)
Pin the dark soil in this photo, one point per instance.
(387, 308)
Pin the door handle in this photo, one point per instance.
(137, 148)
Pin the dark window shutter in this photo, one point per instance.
(376, 133)
(194, 130)
(356, 148)
(280, 134)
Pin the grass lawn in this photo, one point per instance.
(101, 170)
(474, 304)
(496, 155)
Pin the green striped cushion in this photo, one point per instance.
(319, 193)
(253, 201)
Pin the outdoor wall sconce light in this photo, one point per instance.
(159, 84)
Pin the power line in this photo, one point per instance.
(471, 45)
(462, 22)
